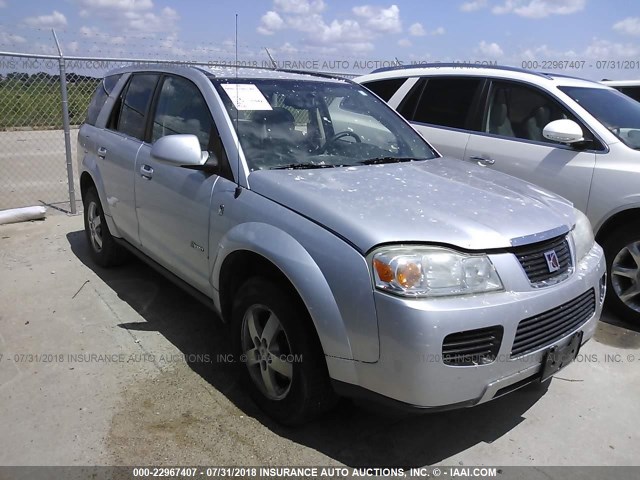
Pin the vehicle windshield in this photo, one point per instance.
(617, 112)
(316, 124)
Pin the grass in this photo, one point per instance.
(36, 103)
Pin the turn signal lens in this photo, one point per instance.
(384, 271)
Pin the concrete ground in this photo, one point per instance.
(103, 367)
(33, 169)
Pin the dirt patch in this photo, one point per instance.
(178, 418)
(617, 337)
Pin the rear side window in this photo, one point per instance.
(385, 88)
(135, 105)
(100, 96)
(447, 101)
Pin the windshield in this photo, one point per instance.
(619, 113)
(316, 124)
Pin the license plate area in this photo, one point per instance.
(558, 357)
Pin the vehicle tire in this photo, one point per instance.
(102, 247)
(281, 360)
(622, 251)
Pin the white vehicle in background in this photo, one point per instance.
(577, 138)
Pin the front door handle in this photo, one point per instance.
(483, 161)
(146, 172)
(102, 152)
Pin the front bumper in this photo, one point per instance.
(411, 368)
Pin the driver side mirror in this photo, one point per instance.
(563, 131)
(180, 151)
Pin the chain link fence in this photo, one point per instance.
(32, 147)
(42, 97)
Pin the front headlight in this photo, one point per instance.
(432, 272)
(582, 235)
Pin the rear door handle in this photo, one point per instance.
(146, 172)
(483, 161)
(102, 152)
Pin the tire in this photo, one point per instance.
(622, 252)
(102, 247)
(281, 364)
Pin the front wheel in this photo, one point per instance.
(281, 360)
(622, 250)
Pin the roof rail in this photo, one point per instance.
(460, 65)
(317, 73)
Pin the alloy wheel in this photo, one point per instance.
(94, 222)
(267, 352)
(625, 275)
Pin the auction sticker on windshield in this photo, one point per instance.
(246, 96)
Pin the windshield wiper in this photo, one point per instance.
(299, 166)
(381, 160)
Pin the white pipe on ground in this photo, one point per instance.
(15, 215)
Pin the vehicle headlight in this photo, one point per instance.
(582, 235)
(432, 272)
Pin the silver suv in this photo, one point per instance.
(577, 138)
(347, 256)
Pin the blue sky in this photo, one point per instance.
(347, 34)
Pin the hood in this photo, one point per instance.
(442, 201)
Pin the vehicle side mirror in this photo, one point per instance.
(563, 131)
(179, 151)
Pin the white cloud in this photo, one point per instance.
(9, 38)
(473, 5)
(270, 22)
(288, 48)
(417, 30)
(131, 17)
(117, 4)
(150, 22)
(299, 7)
(404, 42)
(353, 34)
(598, 49)
(100, 36)
(628, 26)
(54, 20)
(492, 50)
(385, 20)
(606, 49)
(539, 8)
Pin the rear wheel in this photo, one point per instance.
(281, 360)
(103, 248)
(622, 250)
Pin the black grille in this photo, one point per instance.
(548, 327)
(533, 261)
(472, 347)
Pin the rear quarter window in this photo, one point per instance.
(100, 96)
(385, 88)
(633, 92)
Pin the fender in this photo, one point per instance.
(613, 213)
(298, 266)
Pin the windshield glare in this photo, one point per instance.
(316, 124)
(617, 112)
